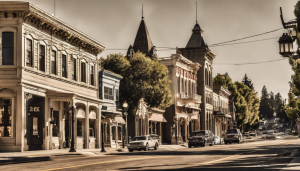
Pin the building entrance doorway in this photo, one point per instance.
(35, 113)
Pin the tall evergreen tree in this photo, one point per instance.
(266, 110)
(272, 100)
(248, 82)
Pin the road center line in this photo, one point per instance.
(113, 161)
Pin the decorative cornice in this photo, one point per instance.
(51, 25)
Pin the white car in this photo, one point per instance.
(142, 143)
(264, 134)
(271, 135)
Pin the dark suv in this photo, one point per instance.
(233, 135)
(201, 138)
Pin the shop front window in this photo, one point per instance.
(5, 118)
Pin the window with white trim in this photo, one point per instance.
(92, 75)
(53, 62)
(64, 65)
(108, 93)
(7, 48)
(42, 58)
(29, 52)
(73, 68)
(83, 72)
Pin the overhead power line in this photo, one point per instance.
(247, 37)
(249, 63)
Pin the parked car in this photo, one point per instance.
(253, 134)
(271, 135)
(142, 143)
(233, 135)
(264, 134)
(218, 140)
(201, 138)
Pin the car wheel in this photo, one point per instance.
(212, 143)
(147, 147)
(130, 150)
(156, 147)
(190, 146)
(204, 144)
(239, 141)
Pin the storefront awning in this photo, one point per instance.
(119, 120)
(157, 117)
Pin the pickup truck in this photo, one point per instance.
(143, 143)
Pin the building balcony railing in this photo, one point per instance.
(195, 97)
(223, 110)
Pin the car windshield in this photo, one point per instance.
(232, 131)
(199, 133)
(264, 133)
(271, 133)
(139, 138)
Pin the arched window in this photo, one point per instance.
(29, 52)
(83, 72)
(53, 63)
(92, 75)
(7, 48)
(42, 57)
(64, 65)
(73, 68)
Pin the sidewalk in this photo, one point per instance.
(43, 155)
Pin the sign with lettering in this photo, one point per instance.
(34, 109)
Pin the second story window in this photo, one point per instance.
(29, 52)
(42, 58)
(73, 69)
(64, 65)
(92, 75)
(83, 72)
(7, 48)
(53, 62)
(178, 84)
(108, 93)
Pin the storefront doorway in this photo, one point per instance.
(35, 113)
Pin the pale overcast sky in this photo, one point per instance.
(170, 24)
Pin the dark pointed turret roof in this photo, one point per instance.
(142, 40)
(196, 40)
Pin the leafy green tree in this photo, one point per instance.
(248, 82)
(245, 99)
(143, 78)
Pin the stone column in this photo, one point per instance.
(155, 131)
(116, 137)
(50, 125)
(61, 126)
(20, 116)
(87, 127)
(98, 129)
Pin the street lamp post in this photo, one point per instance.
(287, 39)
(102, 142)
(125, 107)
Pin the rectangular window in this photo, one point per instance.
(42, 58)
(53, 62)
(92, 75)
(83, 72)
(7, 48)
(5, 118)
(73, 68)
(117, 95)
(29, 52)
(108, 93)
(64, 65)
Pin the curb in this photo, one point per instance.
(14, 160)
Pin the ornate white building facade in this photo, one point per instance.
(46, 67)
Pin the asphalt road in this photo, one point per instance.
(259, 155)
